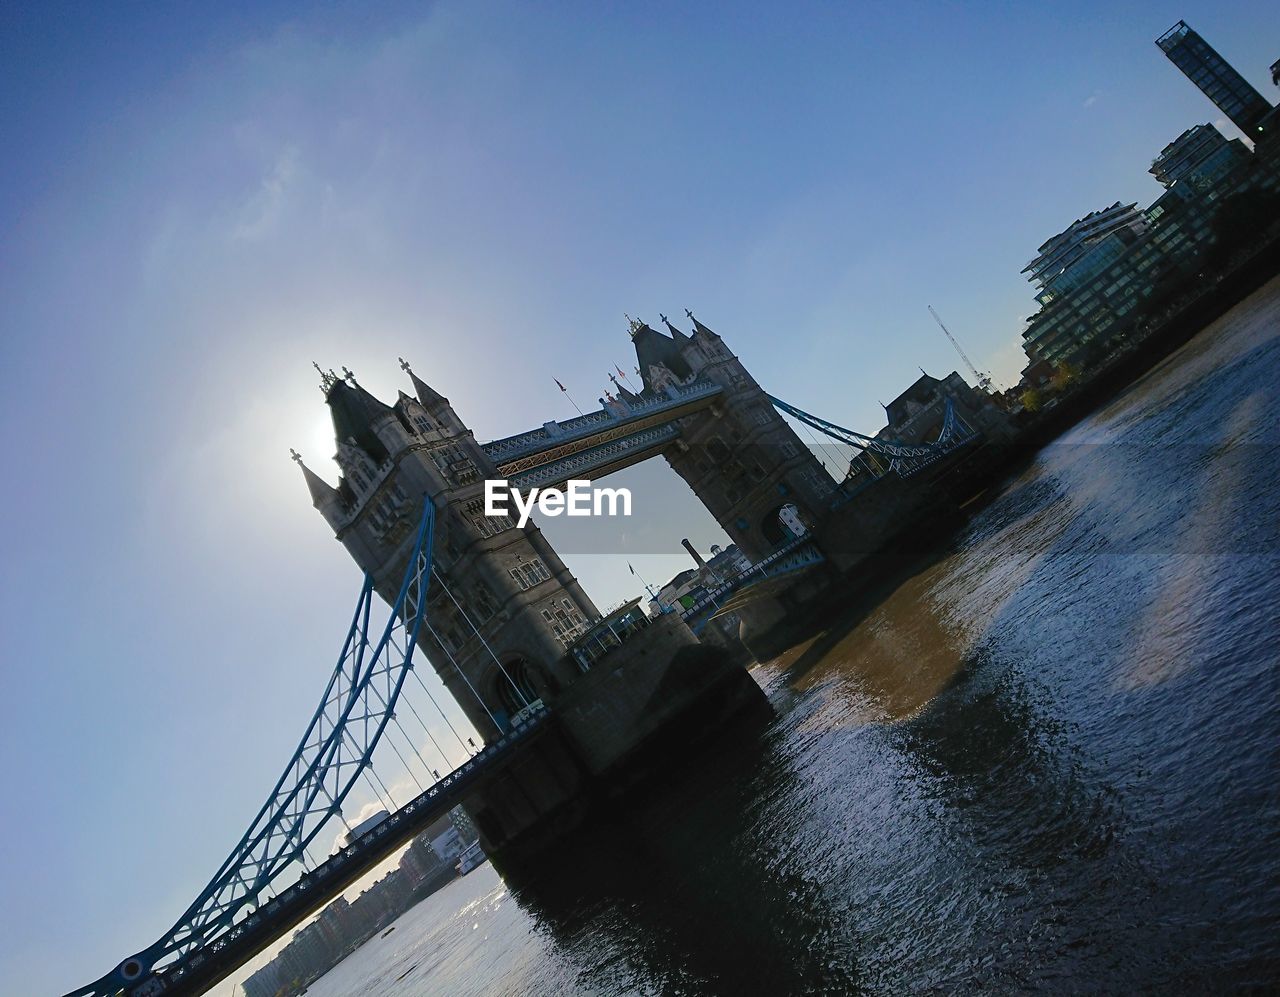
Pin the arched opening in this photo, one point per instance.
(784, 523)
(515, 689)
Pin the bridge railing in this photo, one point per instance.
(290, 906)
(758, 570)
(560, 470)
(510, 447)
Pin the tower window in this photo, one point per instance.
(529, 573)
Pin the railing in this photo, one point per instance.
(621, 411)
(345, 865)
(357, 705)
(561, 470)
(761, 568)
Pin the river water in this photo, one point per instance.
(1047, 759)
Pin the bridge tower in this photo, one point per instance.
(740, 457)
(504, 606)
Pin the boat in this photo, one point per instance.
(471, 857)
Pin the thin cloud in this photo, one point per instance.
(260, 215)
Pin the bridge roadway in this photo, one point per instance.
(758, 580)
(619, 435)
(253, 934)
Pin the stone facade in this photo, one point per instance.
(740, 457)
(504, 606)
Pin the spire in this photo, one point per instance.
(676, 334)
(354, 412)
(321, 491)
(327, 378)
(426, 394)
(653, 347)
(698, 326)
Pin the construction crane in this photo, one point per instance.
(980, 379)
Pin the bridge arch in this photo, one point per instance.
(519, 682)
(785, 522)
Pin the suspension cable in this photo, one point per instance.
(471, 624)
(440, 710)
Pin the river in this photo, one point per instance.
(1047, 759)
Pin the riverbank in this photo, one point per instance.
(1042, 761)
(960, 493)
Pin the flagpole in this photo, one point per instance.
(568, 396)
(649, 588)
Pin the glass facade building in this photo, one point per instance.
(1215, 77)
(1090, 305)
(1201, 155)
(1061, 253)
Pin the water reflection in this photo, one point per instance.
(1043, 759)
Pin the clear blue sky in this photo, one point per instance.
(197, 200)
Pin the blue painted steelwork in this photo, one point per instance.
(255, 932)
(905, 458)
(337, 747)
(799, 554)
(597, 460)
(505, 452)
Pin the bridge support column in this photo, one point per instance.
(644, 701)
(758, 619)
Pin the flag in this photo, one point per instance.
(559, 385)
(619, 370)
(633, 570)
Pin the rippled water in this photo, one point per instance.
(1047, 759)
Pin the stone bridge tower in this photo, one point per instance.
(740, 457)
(508, 606)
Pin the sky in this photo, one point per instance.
(197, 201)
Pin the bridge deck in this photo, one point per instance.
(219, 959)
(565, 444)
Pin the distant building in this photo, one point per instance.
(916, 418)
(444, 839)
(687, 588)
(427, 864)
(916, 415)
(612, 630)
(1215, 77)
(1099, 297)
(1201, 156)
(1037, 374)
(1062, 253)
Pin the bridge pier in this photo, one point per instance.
(645, 701)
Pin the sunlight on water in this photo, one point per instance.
(1045, 759)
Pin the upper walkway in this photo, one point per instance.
(620, 434)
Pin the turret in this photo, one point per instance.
(699, 329)
(656, 353)
(707, 341)
(676, 334)
(324, 496)
(434, 404)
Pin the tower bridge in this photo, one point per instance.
(499, 616)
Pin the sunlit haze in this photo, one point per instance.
(198, 201)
